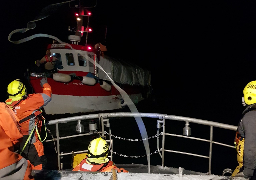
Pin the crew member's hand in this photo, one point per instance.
(43, 81)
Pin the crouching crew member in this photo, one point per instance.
(97, 159)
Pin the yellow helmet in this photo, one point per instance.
(98, 151)
(98, 147)
(16, 90)
(250, 93)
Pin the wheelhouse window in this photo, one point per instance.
(82, 60)
(70, 59)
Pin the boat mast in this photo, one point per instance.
(80, 28)
(79, 21)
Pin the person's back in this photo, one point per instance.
(97, 159)
(12, 165)
(246, 135)
(27, 109)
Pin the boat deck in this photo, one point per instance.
(136, 171)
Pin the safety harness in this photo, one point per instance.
(35, 114)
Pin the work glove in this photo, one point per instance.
(43, 81)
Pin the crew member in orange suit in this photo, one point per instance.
(27, 109)
(12, 165)
(97, 160)
(48, 61)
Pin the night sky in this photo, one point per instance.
(201, 54)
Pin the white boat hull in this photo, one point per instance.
(63, 104)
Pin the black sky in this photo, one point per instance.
(201, 53)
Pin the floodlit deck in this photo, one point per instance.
(136, 171)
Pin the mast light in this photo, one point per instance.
(88, 29)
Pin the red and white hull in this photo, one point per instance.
(76, 97)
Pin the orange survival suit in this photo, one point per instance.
(12, 165)
(106, 167)
(29, 115)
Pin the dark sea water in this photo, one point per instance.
(222, 157)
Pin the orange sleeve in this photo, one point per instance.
(77, 168)
(8, 121)
(47, 89)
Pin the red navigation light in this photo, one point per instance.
(89, 13)
(88, 29)
(77, 14)
(89, 48)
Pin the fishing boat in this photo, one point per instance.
(78, 84)
(79, 87)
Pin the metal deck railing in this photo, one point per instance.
(104, 119)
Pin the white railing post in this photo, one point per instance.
(159, 125)
(58, 144)
(210, 150)
(105, 122)
(102, 126)
(163, 142)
